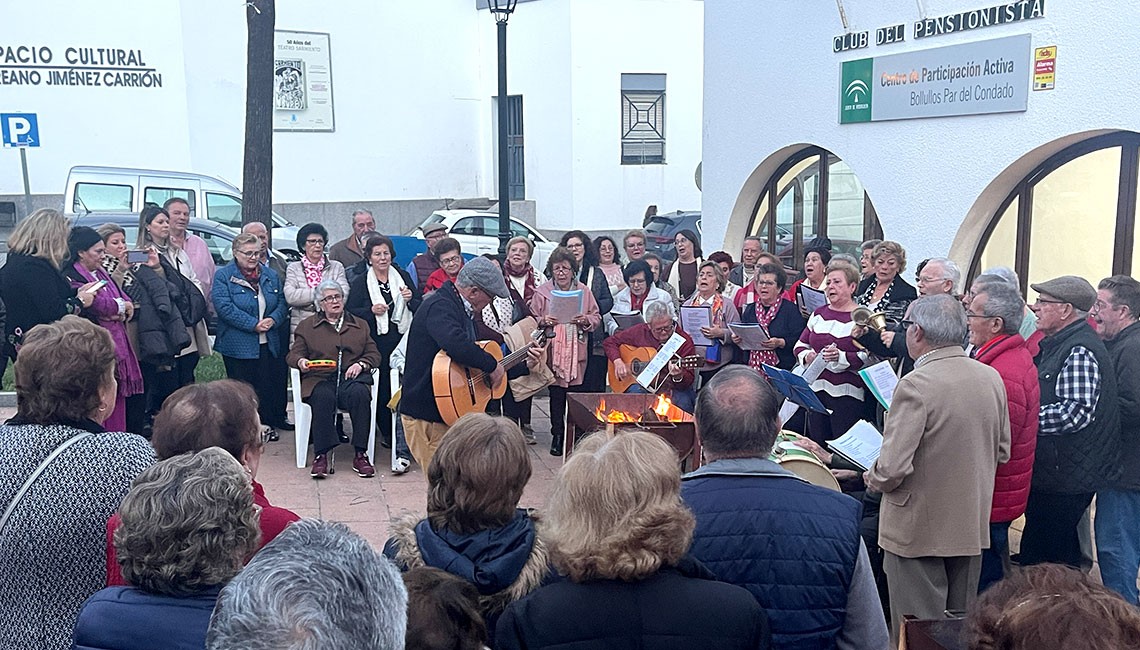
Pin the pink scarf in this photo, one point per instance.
(764, 316)
(564, 354)
(313, 272)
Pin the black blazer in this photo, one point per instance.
(35, 292)
(360, 305)
(788, 324)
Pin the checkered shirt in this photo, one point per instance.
(1078, 390)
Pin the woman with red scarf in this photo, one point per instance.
(779, 317)
(450, 257)
(638, 292)
(250, 305)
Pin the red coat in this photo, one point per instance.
(639, 336)
(1010, 357)
(273, 521)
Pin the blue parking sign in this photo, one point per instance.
(20, 129)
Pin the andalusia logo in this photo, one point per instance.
(855, 91)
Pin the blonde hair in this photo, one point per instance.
(615, 511)
(890, 248)
(42, 234)
(245, 238)
(522, 240)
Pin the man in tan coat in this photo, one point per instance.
(946, 433)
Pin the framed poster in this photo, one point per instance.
(302, 82)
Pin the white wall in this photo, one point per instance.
(771, 80)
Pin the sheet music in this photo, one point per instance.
(860, 445)
(565, 305)
(658, 362)
(693, 318)
(811, 299)
(882, 380)
(752, 335)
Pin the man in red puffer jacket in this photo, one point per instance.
(993, 318)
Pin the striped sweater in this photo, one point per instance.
(839, 378)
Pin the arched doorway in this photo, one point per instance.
(1074, 214)
(813, 193)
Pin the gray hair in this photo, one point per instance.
(942, 319)
(870, 244)
(1005, 273)
(950, 271)
(737, 414)
(317, 585)
(1004, 301)
(324, 286)
(360, 211)
(656, 310)
(986, 280)
(846, 257)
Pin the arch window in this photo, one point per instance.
(1075, 214)
(813, 193)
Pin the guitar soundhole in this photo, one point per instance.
(637, 366)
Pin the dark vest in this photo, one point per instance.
(424, 263)
(1081, 461)
(791, 544)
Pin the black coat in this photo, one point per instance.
(1124, 349)
(440, 324)
(34, 292)
(360, 305)
(788, 324)
(161, 332)
(674, 609)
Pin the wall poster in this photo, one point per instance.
(302, 82)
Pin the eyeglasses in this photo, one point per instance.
(1042, 301)
(766, 283)
(451, 260)
(636, 281)
(663, 329)
(635, 245)
(578, 245)
(315, 241)
(332, 298)
(906, 324)
(248, 254)
(560, 270)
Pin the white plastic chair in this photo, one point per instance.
(303, 418)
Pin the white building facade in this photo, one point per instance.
(1039, 174)
(412, 87)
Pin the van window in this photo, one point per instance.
(100, 197)
(223, 209)
(221, 248)
(160, 195)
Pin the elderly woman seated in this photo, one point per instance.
(618, 530)
(474, 528)
(189, 525)
(334, 335)
(222, 414)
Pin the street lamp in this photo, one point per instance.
(502, 10)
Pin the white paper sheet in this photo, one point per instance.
(860, 445)
(693, 318)
(811, 299)
(565, 305)
(752, 335)
(657, 363)
(882, 380)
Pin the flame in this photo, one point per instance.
(663, 407)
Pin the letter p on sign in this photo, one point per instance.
(20, 129)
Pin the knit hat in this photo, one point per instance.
(82, 238)
(821, 245)
(1071, 289)
(483, 273)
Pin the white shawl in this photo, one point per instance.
(400, 312)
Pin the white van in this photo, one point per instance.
(121, 189)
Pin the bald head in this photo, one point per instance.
(737, 414)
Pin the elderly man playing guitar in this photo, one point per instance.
(444, 322)
(641, 342)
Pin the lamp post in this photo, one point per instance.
(502, 10)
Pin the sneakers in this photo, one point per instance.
(401, 466)
(361, 465)
(269, 434)
(528, 435)
(322, 466)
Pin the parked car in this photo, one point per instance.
(219, 239)
(122, 189)
(477, 232)
(663, 228)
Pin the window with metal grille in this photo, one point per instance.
(642, 119)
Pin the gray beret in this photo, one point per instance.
(1071, 289)
(483, 273)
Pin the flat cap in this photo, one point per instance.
(1069, 288)
(483, 273)
(433, 227)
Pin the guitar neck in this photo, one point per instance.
(513, 358)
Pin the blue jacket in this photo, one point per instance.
(236, 305)
(793, 545)
(125, 618)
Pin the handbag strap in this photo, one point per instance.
(36, 474)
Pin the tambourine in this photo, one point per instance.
(321, 364)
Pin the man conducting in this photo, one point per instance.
(445, 322)
(753, 518)
(947, 431)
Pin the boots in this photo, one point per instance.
(556, 439)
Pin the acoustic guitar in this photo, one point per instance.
(460, 390)
(636, 359)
